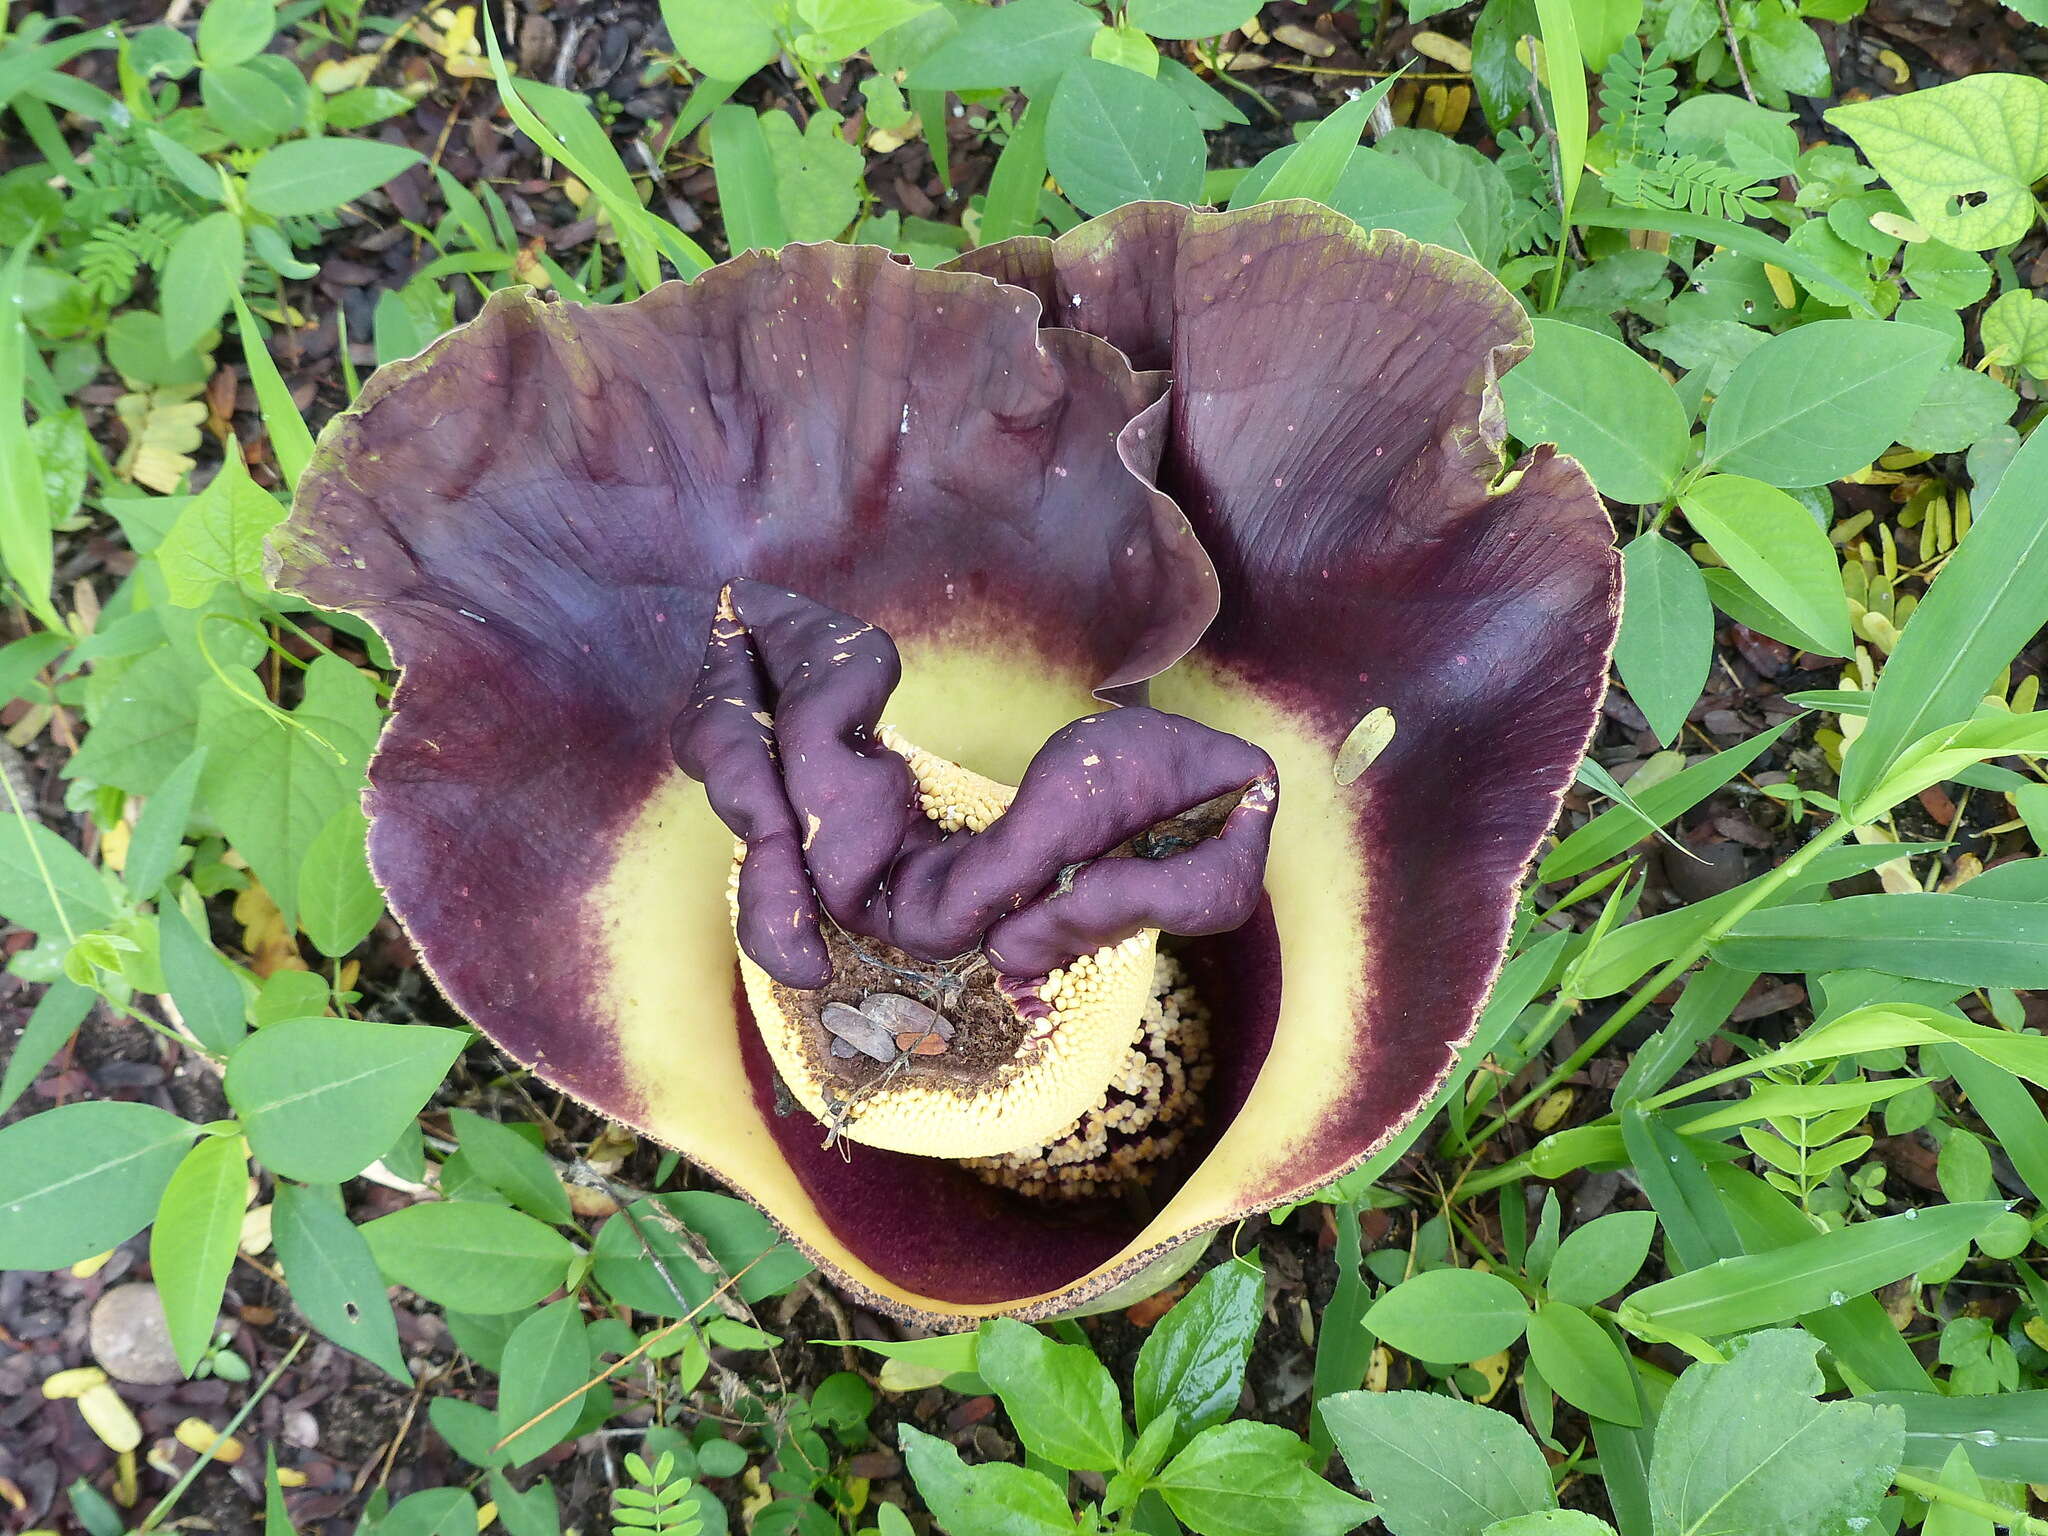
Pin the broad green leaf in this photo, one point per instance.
(1962, 156)
(531, 1512)
(1778, 550)
(1737, 237)
(1059, 1396)
(1744, 1450)
(1958, 1476)
(338, 901)
(1602, 404)
(1553, 1522)
(747, 198)
(468, 1255)
(1448, 1316)
(431, 1512)
(2003, 1103)
(199, 277)
(990, 1499)
(233, 31)
(636, 1246)
(2014, 331)
(1990, 598)
(155, 849)
(1193, 1360)
(1759, 1289)
(145, 715)
(1941, 274)
(1666, 642)
(76, 1180)
(1114, 136)
(1127, 48)
(512, 1165)
(1188, 18)
(836, 29)
(206, 991)
(1027, 43)
(1601, 1257)
(248, 106)
(318, 175)
(333, 1279)
(322, 1099)
(192, 1243)
(725, 39)
(218, 538)
(817, 175)
(1963, 405)
(48, 885)
(1249, 1479)
(1975, 942)
(58, 1013)
(1436, 1466)
(273, 783)
(1815, 403)
(1582, 1364)
(546, 1359)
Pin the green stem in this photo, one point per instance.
(169, 1501)
(1763, 888)
(1984, 1509)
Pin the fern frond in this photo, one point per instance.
(1636, 92)
(1695, 185)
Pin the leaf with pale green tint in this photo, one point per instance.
(1962, 156)
(1027, 43)
(1249, 1479)
(1601, 1257)
(2007, 1435)
(725, 39)
(78, 1179)
(1964, 406)
(512, 1165)
(48, 885)
(642, 1261)
(57, 1015)
(1779, 551)
(1115, 136)
(318, 175)
(157, 846)
(817, 175)
(234, 31)
(25, 547)
(1818, 402)
(1449, 1316)
(1059, 1396)
(322, 1099)
(2014, 331)
(988, 1499)
(338, 901)
(831, 30)
(199, 277)
(192, 1244)
(1582, 1364)
(1602, 404)
(1182, 19)
(747, 198)
(333, 1279)
(1317, 164)
(1759, 1289)
(470, 1256)
(1436, 1466)
(1935, 937)
(1552, 1522)
(1666, 642)
(431, 1512)
(218, 538)
(1743, 1449)
(546, 1359)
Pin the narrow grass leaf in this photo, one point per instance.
(1318, 164)
(1938, 937)
(2007, 1435)
(289, 437)
(746, 181)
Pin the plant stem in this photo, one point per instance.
(1765, 887)
(169, 1501)
(1998, 1514)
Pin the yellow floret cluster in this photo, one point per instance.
(950, 795)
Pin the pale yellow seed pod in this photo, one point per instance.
(110, 1418)
(196, 1435)
(72, 1383)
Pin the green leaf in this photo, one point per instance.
(1062, 1401)
(1436, 1466)
(633, 1242)
(987, 1500)
(1759, 1289)
(199, 276)
(1182, 19)
(159, 841)
(512, 1165)
(77, 1180)
(200, 179)
(1990, 598)
(218, 538)
(192, 1245)
(1815, 403)
(1582, 1364)
(322, 1099)
(837, 29)
(2014, 331)
(1552, 1522)
(25, 548)
(1785, 53)
(273, 783)
(1027, 43)
(1971, 941)
(817, 175)
(546, 1359)
(318, 175)
(1743, 1449)
(725, 39)
(1962, 156)
(206, 990)
(1963, 405)
(2007, 1435)
(1127, 48)
(1941, 274)
(249, 106)
(1558, 21)
(1448, 1316)
(1602, 404)
(1193, 1360)
(1779, 551)
(745, 170)
(1315, 167)
(1114, 136)
(468, 1255)
(333, 1278)
(58, 1013)
(48, 885)
(1250, 1479)
(431, 1512)
(1601, 1257)
(338, 901)
(231, 31)
(1666, 644)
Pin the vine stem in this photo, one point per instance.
(1766, 887)
(1997, 1514)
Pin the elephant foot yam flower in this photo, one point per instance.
(895, 735)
